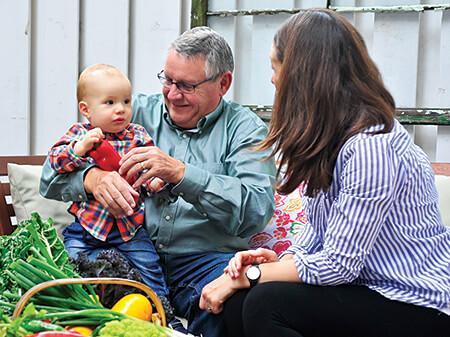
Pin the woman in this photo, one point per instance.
(375, 259)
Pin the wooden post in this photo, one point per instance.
(198, 13)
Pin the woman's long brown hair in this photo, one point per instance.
(328, 90)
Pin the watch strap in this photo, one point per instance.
(254, 281)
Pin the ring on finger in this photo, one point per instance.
(142, 166)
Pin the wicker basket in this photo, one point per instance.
(159, 317)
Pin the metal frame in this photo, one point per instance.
(411, 116)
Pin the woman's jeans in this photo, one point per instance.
(139, 251)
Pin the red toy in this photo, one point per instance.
(105, 156)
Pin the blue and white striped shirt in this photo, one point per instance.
(379, 224)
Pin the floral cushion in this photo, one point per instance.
(288, 220)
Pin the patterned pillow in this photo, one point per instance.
(288, 220)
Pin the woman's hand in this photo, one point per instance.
(149, 162)
(249, 257)
(111, 190)
(215, 293)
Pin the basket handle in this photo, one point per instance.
(159, 316)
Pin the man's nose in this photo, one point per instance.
(174, 92)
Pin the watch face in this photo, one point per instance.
(253, 273)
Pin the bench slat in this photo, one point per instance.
(7, 210)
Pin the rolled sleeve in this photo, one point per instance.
(63, 187)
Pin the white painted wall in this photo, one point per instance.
(46, 43)
(412, 51)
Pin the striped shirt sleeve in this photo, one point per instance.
(367, 168)
(306, 242)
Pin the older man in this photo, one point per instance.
(219, 190)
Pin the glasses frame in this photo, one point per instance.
(163, 79)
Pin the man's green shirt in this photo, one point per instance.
(226, 194)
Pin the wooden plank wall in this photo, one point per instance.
(443, 86)
(412, 51)
(15, 76)
(46, 44)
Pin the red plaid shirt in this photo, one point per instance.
(91, 214)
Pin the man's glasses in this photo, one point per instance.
(184, 87)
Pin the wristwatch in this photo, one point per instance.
(253, 275)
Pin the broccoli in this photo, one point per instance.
(131, 328)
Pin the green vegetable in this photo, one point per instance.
(33, 320)
(108, 263)
(84, 317)
(33, 254)
(28, 323)
(38, 325)
(131, 328)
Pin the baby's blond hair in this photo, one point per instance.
(86, 73)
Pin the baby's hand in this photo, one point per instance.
(86, 144)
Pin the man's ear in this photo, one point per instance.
(225, 82)
(84, 108)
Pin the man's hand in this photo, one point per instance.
(111, 190)
(215, 293)
(155, 185)
(86, 144)
(151, 162)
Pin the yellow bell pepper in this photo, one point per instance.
(84, 330)
(134, 305)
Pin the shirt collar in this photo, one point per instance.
(203, 123)
(125, 134)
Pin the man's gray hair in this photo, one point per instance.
(206, 43)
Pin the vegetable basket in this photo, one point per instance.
(158, 317)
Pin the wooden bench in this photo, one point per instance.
(7, 210)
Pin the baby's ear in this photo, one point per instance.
(84, 108)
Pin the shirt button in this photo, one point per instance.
(160, 246)
(184, 135)
(80, 197)
(181, 194)
(204, 214)
(167, 217)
